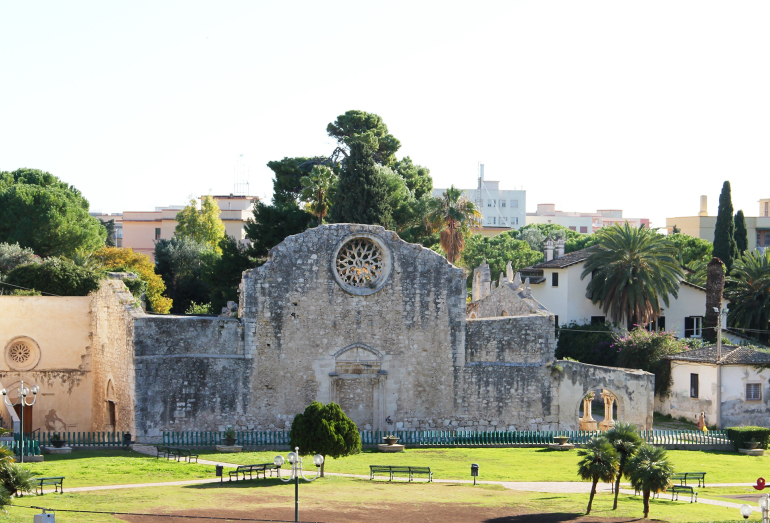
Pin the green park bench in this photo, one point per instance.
(392, 470)
(56, 481)
(681, 489)
(683, 477)
(242, 470)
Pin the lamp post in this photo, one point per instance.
(296, 471)
(21, 399)
(764, 503)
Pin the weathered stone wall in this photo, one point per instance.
(507, 300)
(300, 325)
(634, 390)
(191, 374)
(113, 310)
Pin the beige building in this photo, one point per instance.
(75, 349)
(703, 225)
(584, 222)
(141, 229)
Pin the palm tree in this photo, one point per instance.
(599, 462)
(316, 190)
(625, 440)
(749, 289)
(649, 471)
(452, 215)
(632, 270)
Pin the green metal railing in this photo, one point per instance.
(31, 447)
(452, 438)
(80, 439)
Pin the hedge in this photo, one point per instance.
(739, 435)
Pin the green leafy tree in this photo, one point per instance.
(417, 177)
(741, 233)
(109, 226)
(598, 462)
(204, 226)
(362, 190)
(368, 129)
(498, 251)
(126, 260)
(13, 255)
(626, 441)
(223, 275)
(537, 233)
(39, 211)
(325, 430)
(650, 471)
(749, 290)
(632, 270)
(690, 248)
(452, 216)
(725, 247)
(55, 276)
(181, 263)
(696, 272)
(317, 190)
(287, 176)
(271, 224)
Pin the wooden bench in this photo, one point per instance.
(392, 470)
(682, 477)
(680, 489)
(56, 481)
(251, 469)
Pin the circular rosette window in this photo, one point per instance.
(361, 264)
(22, 353)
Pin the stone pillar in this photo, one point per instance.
(609, 399)
(587, 422)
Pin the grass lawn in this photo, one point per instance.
(519, 464)
(324, 499)
(115, 467)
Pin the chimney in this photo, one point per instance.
(560, 248)
(703, 206)
(549, 250)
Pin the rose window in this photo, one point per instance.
(360, 262)
(19, 353)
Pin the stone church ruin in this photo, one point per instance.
(352, 314)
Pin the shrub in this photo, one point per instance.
(644, 350)
(55, 276)
(14, 478)
(126, 260)
(198, 308)
(12, 255)
(740, 435)
(589, 343)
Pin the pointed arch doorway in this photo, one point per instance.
(357, 385)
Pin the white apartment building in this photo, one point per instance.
(584, 222)
(504, 209)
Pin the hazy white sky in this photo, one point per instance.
(641, 106)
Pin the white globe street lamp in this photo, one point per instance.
(21, 399)
(296, 471)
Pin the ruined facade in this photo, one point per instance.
(344, 313)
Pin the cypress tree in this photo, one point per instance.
(362, 193)
(724, 234)
(741, 234)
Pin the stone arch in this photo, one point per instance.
(610, 397)
(504, 313)
(357, 384)
(110, 405)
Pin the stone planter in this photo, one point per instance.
(390, 440)
(560, 440)
(751, 445)
(58, 443)
(230, 441)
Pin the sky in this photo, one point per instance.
(639, 106)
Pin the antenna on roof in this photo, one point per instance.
(241, 187)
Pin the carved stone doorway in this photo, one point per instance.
(357, 383)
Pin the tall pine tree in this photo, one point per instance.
(741, 234)
(362, 192)
(724, 234)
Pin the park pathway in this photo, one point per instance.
(553, 487)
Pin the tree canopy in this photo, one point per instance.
(725, 247)
(749, 289)
(741, 233)
(362, 190)
(181, 262)
(204, 226)
(223, 275)
(359, 127)
(126, 260)
(39, 211)
(452, 215)
(690, 248)
(649, 471)
(13, 255)
(57, 276)
(498, 251)
(325, 430)
(317, 190)
(632, 270)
